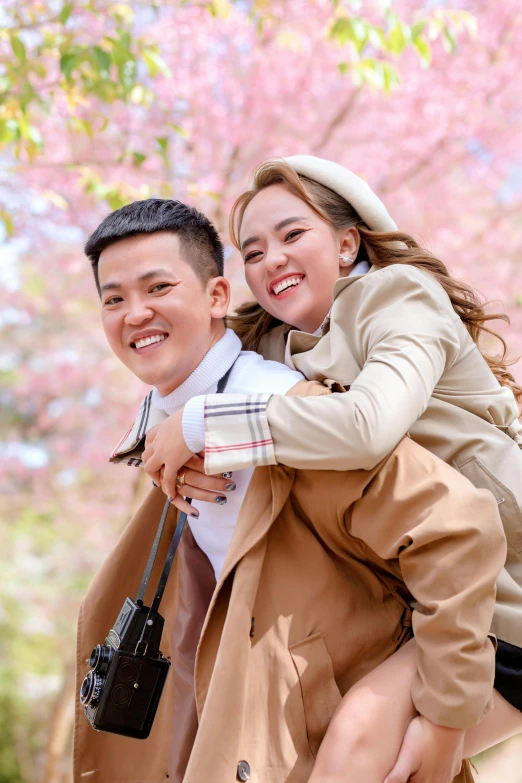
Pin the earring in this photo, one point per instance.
(345, 260)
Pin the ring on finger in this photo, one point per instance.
(180, 480)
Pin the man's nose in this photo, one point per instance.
(138, 312)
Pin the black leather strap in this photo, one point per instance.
(152, 555)
(141, 647)
(222, 383)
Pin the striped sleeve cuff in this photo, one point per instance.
(236, 432)
(193, 424)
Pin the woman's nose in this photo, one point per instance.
(274, 259)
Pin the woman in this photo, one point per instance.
(401, 333)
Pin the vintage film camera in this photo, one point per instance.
(121, 692)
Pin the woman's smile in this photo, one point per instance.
(284, 285)
(275, 244)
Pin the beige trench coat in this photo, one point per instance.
(312, 596)
(395, 340)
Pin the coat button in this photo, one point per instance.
(243, 770)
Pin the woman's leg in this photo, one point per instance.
(366, 732)
(365, 735)
(503, 722)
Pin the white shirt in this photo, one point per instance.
(251, 374)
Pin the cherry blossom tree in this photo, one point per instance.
(101, 104)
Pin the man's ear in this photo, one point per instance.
(219, 291)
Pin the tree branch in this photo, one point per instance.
(337, 120)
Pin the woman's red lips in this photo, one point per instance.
(285, 283)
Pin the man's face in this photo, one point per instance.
(160, 318)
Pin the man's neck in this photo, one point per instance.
(217, 332)
(205, 377)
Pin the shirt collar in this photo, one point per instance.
(204, 379)
(155, 408)
(361, 268)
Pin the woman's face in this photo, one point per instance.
(291, 257)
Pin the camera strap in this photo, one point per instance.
(152, 556)
(141, 647)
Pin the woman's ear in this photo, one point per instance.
(350, 242)
(219, 291)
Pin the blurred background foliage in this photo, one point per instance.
(102, 103)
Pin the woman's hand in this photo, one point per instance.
(165, 453)
(429, 754)
(167, 458)
(198, 486)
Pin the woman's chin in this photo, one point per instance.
(291, 310)
(297, 316)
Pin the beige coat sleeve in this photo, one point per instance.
(446, 538)
(406, 337)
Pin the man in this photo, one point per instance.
(295, 583)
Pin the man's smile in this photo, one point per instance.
(146, 343)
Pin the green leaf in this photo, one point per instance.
(390, 77)
(343, 68)
(342, 31)
(377, 38)
(448, 40)
(424, 50)
(154, 62)
(68, 62)
(360, 29)
(34, 135)
(8, 222)
(138, 158)
(125, 39)
(65, 13)
(120, 54)
(178, 129)
(101, 59)
(163, 143)
(417, 30)
(397, 39)
(18, 48)
(369, 71)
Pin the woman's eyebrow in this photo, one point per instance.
(286, 222)
(277, 227)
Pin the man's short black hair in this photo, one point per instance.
(198, 237)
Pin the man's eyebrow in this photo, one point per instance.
(110, 286)
(277, 227)
(155, 273)
(145, 276)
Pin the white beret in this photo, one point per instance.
(348, 185)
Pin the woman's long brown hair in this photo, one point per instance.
(251, 322)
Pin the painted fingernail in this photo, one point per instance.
(221, 500)
(194, 514)
(230, 486)
(227, 475)
(154, 484)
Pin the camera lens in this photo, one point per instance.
(100, 658)
(91, 689)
